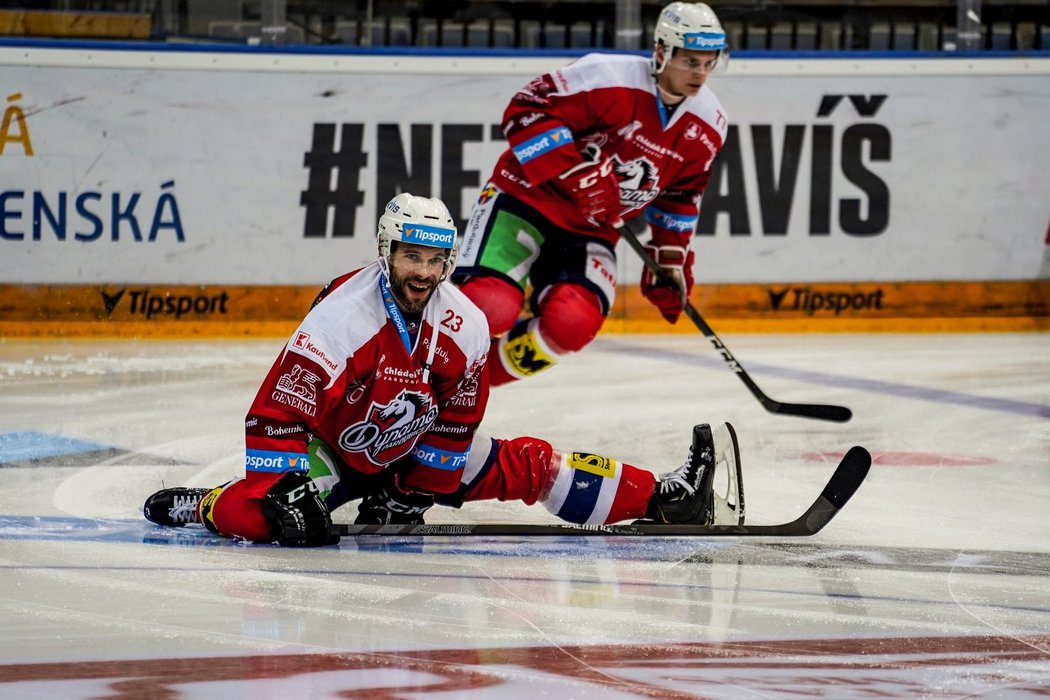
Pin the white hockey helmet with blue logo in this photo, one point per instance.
(425, 221)
(689, 25)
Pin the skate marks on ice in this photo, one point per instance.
(874, 667)
(850, 578)
(676, 551)
(906, 594)
(33, 448)
(845, 380)
(846, 667)
(100, 483)
(502, 617)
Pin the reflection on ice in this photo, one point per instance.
(932, 581)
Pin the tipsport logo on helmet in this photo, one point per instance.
(705, 41)
(435, 236)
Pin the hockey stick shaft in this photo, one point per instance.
(839, 414)
(847, 478)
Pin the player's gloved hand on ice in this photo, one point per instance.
(677, 263)
(393, 505)
(592, 184)
(297, 515)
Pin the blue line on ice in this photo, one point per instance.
(954, 398)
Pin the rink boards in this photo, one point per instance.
(852, 194)
(236, 310)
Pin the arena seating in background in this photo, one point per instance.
(756, 25)
(752, 25)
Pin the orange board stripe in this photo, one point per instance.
(238, 311)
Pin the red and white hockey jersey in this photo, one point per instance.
(663, 165)
(347, 377)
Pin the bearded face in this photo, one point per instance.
(415, 272)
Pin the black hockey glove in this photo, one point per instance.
(392, 505)
(297, 515)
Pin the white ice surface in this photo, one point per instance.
(934, 580)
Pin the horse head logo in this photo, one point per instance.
(637, 174)
(401, 410)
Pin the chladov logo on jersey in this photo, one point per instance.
(390, 430)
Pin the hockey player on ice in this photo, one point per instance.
(592, 145)
(377, 397)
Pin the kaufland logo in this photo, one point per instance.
(302, 342)
(705, 40)
(429, 235)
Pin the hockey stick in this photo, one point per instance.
(840, 414)
(840, 488)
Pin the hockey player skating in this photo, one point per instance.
(601, 141)
(377, 397)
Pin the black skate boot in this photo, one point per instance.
(687, 495)
(174, 507)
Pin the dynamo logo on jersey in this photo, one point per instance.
(545, 142)
(390, 430)
(435, 236)
(705, 41)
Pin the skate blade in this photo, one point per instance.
(728, 497)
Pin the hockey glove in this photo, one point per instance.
(593, 186)
(392, 505)
(677, 264)
(297, 515)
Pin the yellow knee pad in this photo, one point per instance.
(523, 351)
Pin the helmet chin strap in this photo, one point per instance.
(446, 273)
(670, 98)
(666, 96)
(384, 266)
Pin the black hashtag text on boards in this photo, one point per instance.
(864, 152)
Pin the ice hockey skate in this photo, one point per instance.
(174, 507)
(688, 495)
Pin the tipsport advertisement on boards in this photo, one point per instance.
(141, 176)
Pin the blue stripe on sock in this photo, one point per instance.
(583, 495)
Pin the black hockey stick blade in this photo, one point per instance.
(839, 414)
(820, 411)
(847, 478)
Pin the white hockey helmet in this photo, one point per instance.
(419, 220)
(689, 25)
